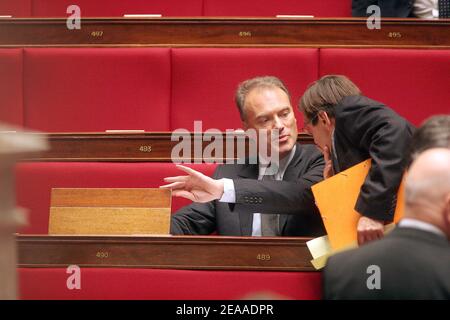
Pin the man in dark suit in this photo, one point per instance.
(350, 128)
(388, 8)
(413, 261)
(249, 199)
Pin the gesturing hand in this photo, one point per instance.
(369, 229)
(328, 169)
(195, 186)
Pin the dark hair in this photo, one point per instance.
(433, 133)
(245, 87)
(324, 94)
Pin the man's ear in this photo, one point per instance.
(325, 119)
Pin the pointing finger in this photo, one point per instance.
(176, 179)
(174, 185)
(183, 194)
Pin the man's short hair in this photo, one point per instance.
(433, 133)
(245, 87)
(324, 94)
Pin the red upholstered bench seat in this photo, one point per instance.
(101, 283)
(101, 8)
(154, 89)
(176, 8)
(36, 179)
(163, 89)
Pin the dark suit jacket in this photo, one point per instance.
(388, 8)
(414, 264)
(292, 198)
(368, 129)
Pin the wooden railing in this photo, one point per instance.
(152, 147)
(226, 32)
(168, 252)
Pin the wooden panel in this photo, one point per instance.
(227, 32)
(108, 221)
(171, 252)
(111, 197)
(110, 211)
(155, 146)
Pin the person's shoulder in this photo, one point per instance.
(366, 254)
(360, 106)
(354, 100)
(308, 152)
(358, 103)
(308, 148)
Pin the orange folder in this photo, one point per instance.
(336, 198)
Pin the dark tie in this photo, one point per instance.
(269, 222)
(444, 8)
(334, 159)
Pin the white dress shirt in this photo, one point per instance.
(426, 9)
(229, 194)
(421, 225)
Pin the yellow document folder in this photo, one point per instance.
(336, 198)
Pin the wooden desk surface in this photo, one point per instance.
(168, 252)
(225, 32)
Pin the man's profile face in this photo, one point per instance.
(321, 131)
(270, 109)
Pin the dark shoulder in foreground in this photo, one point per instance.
(412, 264)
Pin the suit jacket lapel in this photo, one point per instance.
(249, 171)
(291, 174)
(252, 172)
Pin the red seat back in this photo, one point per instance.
(35, 181)
(69, 90)
(204, 81)
(15, 8)
(117, 8)
(11, 103)
(415, 83)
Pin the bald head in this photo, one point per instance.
(427, 188)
